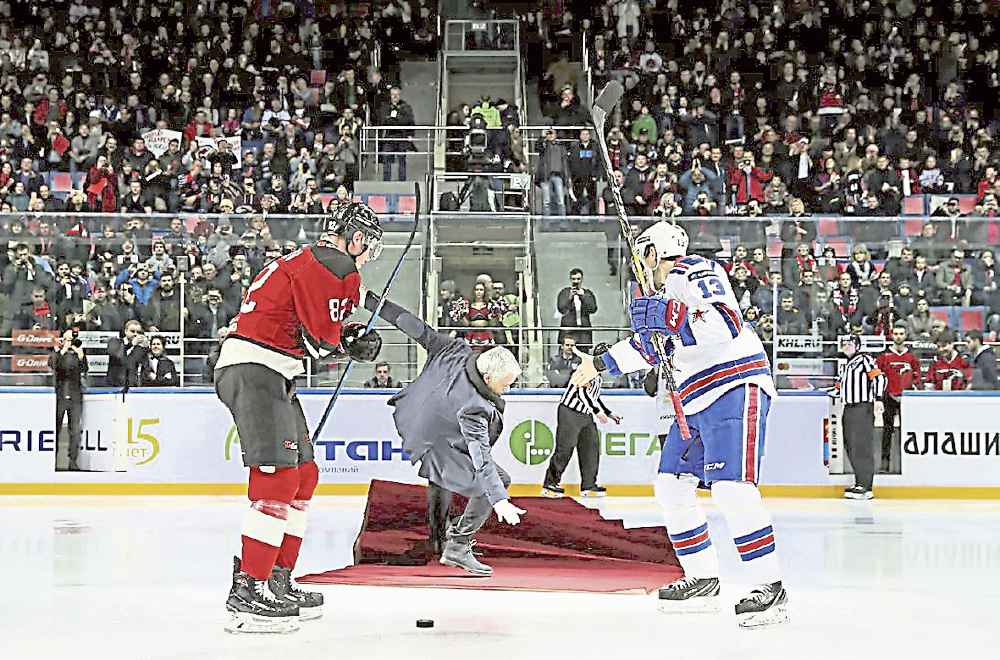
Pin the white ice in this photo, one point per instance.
(139, 578)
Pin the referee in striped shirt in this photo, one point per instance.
(861, 385)
(575, 429)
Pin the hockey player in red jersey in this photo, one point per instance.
(950, 370)
(295, 307)
(902, 367)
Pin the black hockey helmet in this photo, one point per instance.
(345, 219)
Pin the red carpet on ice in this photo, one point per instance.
(559, 546)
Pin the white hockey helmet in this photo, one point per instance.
(670, 240)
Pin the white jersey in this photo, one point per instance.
(714, 350)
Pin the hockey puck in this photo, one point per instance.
(425, 623)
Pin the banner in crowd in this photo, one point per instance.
(159, 139)
(36, 339)
(29, 363)
(98, 339)
(208, 145)
(800, 344)
(188, 437)
(951, 439)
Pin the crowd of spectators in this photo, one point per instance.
(82, 82)
(846, 107)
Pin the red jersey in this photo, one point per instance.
(294, 307)
(902, 370)
(956, 372)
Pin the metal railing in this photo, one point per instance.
(486, 37)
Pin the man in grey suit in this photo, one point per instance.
(449, 418)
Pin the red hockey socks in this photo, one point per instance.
(296, 528)
(271, 492)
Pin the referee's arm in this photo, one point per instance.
(877, 380)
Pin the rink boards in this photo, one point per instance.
(184, 442)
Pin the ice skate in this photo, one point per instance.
(254, 609)
(766, 605)
(459, 555)
(594, 491)
(553, 492)
(690, 595)
(284, 588)
(858, 493)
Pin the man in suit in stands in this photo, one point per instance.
(160, 370)
(127, 356)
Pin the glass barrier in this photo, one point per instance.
(800, 282)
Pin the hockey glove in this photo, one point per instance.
(665, 315)
(358, 344)
(643, 343)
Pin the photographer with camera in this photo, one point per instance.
(20, 278)
(127, 356)
(68, 363)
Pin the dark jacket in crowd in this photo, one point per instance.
(984, 370)
(125, 363)
(68, 371)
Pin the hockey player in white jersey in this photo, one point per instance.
(726, 390)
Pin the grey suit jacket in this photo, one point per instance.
(448, 418)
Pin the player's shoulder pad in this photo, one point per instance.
(333, 260)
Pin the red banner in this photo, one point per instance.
(30, 363)
(34, 338)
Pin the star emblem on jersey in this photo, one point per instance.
(698, 315)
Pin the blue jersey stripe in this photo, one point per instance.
(721, 367)
(724, 313)
(760, 371)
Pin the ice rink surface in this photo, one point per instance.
(137, 578)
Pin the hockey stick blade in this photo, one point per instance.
(609, 97)
(371, 322)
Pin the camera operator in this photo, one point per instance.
(21, 278)
(127, 356)
(68, 363)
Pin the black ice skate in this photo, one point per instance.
(690, 595)
(555, 492)
(766, 605)
(858, 493)
(284, 588)
(254, 609)
(459, 555)
(594, 491)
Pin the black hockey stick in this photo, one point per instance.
(605, 104)
(371, 321)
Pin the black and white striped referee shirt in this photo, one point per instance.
(861, 381)
(585, 400)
